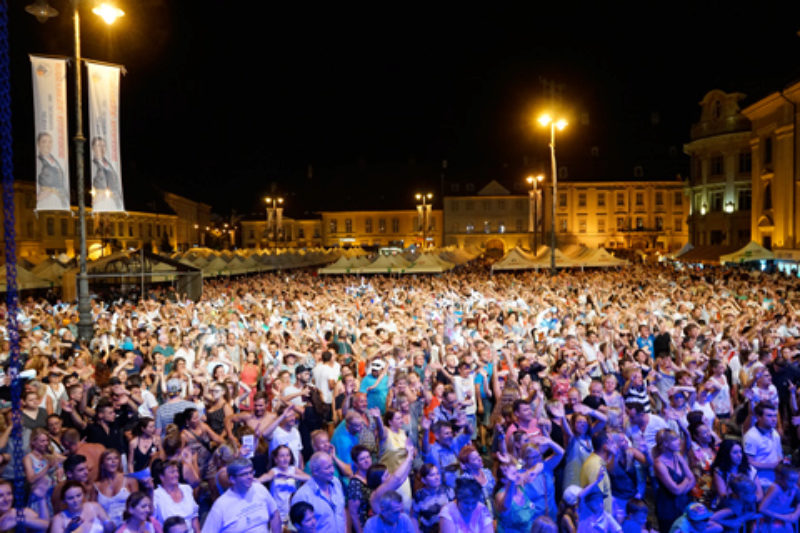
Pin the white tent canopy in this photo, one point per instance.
(515, 259)
(751, 252)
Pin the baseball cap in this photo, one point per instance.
(174, 386)
(571, 494)
(697, 511)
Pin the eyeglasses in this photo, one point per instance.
(246, 473)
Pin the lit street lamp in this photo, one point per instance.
(42, 11)
(560, 124)
(272, 207)
(425, 207)
(533, 219)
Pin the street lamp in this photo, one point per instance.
(533, 219)
(272, 207)
(560, 124)
(425, 205)
(42, 11)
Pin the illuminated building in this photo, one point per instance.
(630, 214)
(720, 180)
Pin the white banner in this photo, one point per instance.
(104, 140)
(50, 128)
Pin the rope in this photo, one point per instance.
(12, 302)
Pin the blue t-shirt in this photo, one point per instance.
(377, 396)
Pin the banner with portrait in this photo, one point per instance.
(50, 129)
(104, 142)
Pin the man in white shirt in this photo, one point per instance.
(187, 352)
(762, 443)
(324, 377)
(245, 507)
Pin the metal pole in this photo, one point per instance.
(535, 218)
(424, 221)
(531, 218)
(84, 307)
(555, 192)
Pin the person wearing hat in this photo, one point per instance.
(696, 519)
(376, 385)
(174, 405)
(245, 507)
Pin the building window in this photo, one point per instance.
(149, 230)
(29, 229)
(601, 199)
(715, 199)
(678, 224)
(469, 205)
(348, 225)
(639, 199)
(659, 223)
(562, 200)
(301, 233)
(678, 198)
(659, 199)
(50, 224)
(332, 226)
(454, 205)
(431, 222)
(717, 165)
(316, 232)
(469, 187)
(395, 225)
(501, 205)
(252, 234)
(64, 227)
(620, 199)
(582, 199)
(368, 225)
(487, 205)
(620, 223)
(745, 162)
(381, 225)
(562, 224)
(582, 225)
(601, 225)
(768, 151)
(639, 223)
(158, 230)
(745, 199)
(767, 197)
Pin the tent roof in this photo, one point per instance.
(752, 251)
(515, 259)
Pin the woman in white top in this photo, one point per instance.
(172, 498)
(113, 488)
(395, 451)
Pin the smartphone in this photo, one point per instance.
(249, 441)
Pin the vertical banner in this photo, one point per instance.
(420, 218)
(50, 127)
(104, 138)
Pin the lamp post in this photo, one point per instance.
(560, 124)
(42, 11)
(425, 205)
(533, 219)
(272, 206)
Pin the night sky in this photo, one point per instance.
(225, 106)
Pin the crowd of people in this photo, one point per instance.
(639, 400)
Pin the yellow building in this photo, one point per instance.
(620, 214)
(776, 172)
(47, 233)
(292, 233)
(720, 186)
(192, 218)
(379, 228)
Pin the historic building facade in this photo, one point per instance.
(641, 214)
(720, 182)
(775, 173)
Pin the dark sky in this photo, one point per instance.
(224, 106)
